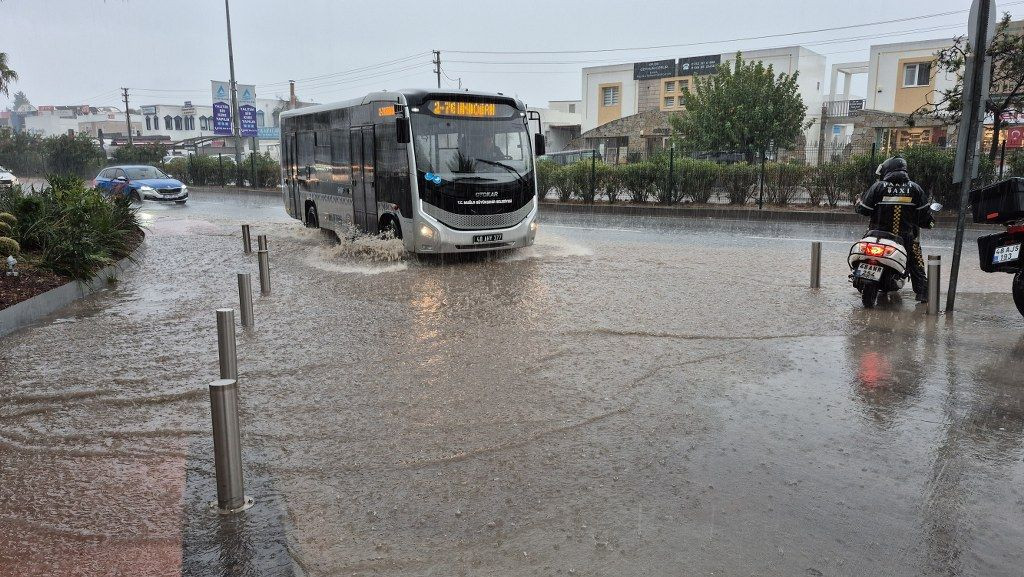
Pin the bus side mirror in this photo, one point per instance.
(402, 125)
(538, 144)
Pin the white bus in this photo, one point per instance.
(443, 171)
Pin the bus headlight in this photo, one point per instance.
(534, 226)
(427, 232)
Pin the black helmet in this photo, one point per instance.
(894, 164)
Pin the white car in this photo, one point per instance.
(7, 178)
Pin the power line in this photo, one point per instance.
(350, 71)
(704, 43)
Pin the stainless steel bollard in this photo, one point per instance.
(245, 298)
(246, 239)
(261, 242)
(816, 264)
(227, 448)
(934, 277)
(264, 258)
(226, 350)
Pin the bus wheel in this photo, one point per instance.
(312, 219)
(390, 227)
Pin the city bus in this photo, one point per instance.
(443, 171)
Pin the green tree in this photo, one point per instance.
(7, 75)
(19, 100)
(74, 155)
(744, 107)
(1006, 92)
(142, 154)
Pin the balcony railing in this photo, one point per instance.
(841, 108)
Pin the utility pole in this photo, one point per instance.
(234, 99)
(291, 95)
(437, 66)
(127, 115)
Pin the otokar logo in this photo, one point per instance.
(487, 194)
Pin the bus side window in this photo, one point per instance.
(305, 155)
(341, 167)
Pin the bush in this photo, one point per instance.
(607, 181)
(143, 154)
(575, 182)
(782, 180)
(1015, 164)
(22, 152)
(696, 179)
(5, 228)
(737, 180)
(547, 177)
(8, 218)
(637, 179)
(932, 168)
(856, 176)
(825, 183)
(70, 229)
(9, 247)
(268, 170)
(204, 170)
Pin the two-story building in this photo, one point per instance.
(625, 107)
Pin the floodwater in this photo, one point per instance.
(629, 396)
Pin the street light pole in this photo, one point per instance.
(234, 99)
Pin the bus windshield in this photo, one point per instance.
(457, 148)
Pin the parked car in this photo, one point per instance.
(140, 182)
(7, 178)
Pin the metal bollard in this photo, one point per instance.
(934, 276)
(245, 298)
(246, 239)
(261, 242)
(226, 350)
(264, 258)
(227, 448)
(816, 264)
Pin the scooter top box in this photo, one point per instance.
(999, 203)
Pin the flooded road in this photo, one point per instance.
(629, 396)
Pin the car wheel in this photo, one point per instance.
(390, 227)
(135, 197)
(312, 219)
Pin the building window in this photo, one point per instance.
(670, 101)
(572, 109)
(147, 123)
(917, 74)
(168, 122)
(261, 119)
(609, 95)
(684, 85)
(191, 122)
(177, 123)
(202, 123)
(670, 86)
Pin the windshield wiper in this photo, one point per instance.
(483, 178)
(502, 165)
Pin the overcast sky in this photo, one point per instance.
(167, 51)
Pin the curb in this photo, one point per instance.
(262, 192)
(744, 214)
(29, 311)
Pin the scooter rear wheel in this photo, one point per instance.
(1018, 291)
(870, 295)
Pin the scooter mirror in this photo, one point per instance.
(936, 207)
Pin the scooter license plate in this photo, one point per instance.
(869, 271)
(1006, 253)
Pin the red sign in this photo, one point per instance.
(1015, 137)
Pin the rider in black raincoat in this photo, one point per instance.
(900, 206)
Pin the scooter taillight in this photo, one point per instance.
(876, 250)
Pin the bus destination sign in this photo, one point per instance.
(468, 109)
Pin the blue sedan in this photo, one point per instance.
(140, 182)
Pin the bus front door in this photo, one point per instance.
(292, 181)
(364, 190)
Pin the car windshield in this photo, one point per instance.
(463, 146)
(143, 172)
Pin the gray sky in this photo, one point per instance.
(82, 51)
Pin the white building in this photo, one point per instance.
(58, 120)
(560, 123)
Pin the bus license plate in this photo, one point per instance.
(1006, 253)
(869, 271)
(486, 238)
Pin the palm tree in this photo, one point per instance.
(7, 76)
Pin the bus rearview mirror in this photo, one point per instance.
(402, 124)
(538, 144)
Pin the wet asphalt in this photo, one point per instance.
(629, 396)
